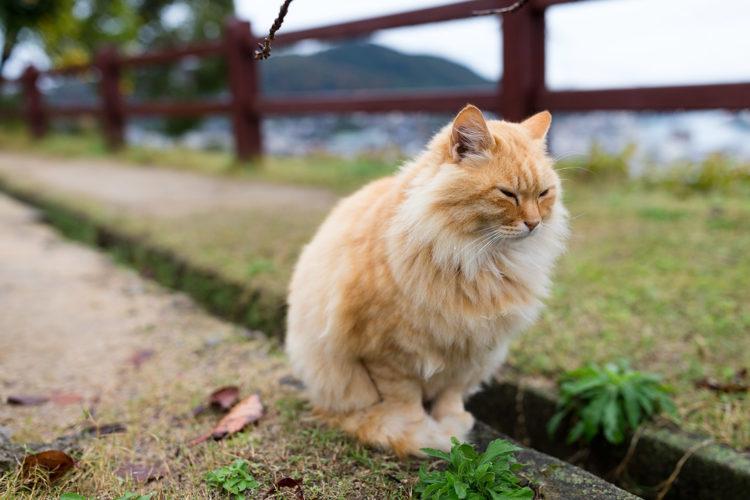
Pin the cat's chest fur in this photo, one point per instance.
(464, 309)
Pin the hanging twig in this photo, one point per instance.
(504, 10)
(264, 49)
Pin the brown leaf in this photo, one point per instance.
(288, 482)
(726, 387)
(140, 356)
(141, 473)
(224, 398)
(66, 398)
(54, 462)
(27, 400)
(245, 412)
(739, 383)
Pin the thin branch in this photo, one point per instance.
(504, 10)
(264, 49)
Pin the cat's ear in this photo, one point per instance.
(538, 125)
(470, 135)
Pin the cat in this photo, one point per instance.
(411, 290)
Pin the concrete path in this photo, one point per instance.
(73, 324)
(158, 191)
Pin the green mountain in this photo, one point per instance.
(363, 66)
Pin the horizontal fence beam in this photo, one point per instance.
(450, 12)
(11, 112)
(72, 110)
(412, 18)
(204, 49)
(184, 109)
(445, 101)
(73, 69)
(732, 96)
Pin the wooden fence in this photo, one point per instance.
(521, 91)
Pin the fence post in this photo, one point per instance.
(35, 115)
(523, 62)
(243, 86)
(112, 112)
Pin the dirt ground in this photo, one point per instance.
(162, 192)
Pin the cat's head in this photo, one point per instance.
(492, 176)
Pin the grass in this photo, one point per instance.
(286, 442)
(653, 272)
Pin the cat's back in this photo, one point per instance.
(361, 214)
(357, 221)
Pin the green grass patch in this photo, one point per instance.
(234, 479)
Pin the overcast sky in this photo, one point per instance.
(598, 43)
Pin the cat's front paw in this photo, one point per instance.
(457, 424)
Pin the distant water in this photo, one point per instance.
(661, 138)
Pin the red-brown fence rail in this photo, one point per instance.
(522, 90)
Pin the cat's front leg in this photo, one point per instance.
(448, 410)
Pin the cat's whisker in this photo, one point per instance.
(478, 241)
(491, 241)
(573, 168)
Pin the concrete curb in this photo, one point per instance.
(553, 478)
(711, 472)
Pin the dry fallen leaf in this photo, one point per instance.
(140, 356)
(739, 383)
(26, 400)
(224, 398)
(54, 462)
(66, 398)
(141, 473)
(288, 482)
(247, 411)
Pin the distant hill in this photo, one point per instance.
(363, 66)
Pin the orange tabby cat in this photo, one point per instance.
(413, 287)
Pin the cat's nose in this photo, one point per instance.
(531, 224)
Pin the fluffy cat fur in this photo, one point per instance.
(410, 292)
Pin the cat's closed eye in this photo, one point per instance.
(508, 193)
(544, 193)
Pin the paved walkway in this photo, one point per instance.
(72, 323)
(158, 191)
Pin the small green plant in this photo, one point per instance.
(135, 496)
(235, 479)
(611, 399)
(73, 496)
(473, 476)
(259, 266)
